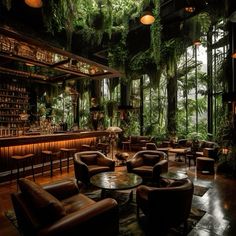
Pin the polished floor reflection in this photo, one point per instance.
(218, 202)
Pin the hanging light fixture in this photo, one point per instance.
(34, 3)
(189, 7)
(234, 55)
(147, 18)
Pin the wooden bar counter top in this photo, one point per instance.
(30, 139)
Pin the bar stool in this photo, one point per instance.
(67, 153)
(22, 159)
(46, 154)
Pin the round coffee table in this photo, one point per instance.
(173, 175)
(110, 182)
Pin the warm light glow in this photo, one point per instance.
(189, 9)
(29, 64)
(147, 18)
(233, 55)
(197, 42)
(34, 3)
(225, 151)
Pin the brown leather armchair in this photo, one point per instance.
(138, 142)
(165, 207)
(149, 164)
(89, 163)
(58, 209)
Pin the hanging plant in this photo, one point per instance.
(95, 18)
(156, 33)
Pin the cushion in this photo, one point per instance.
(47, 207)
(151, 159)
(89, 159)
(102, 161)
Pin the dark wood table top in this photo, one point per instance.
(116, 180)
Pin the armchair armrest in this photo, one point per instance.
(143, 190)
(62, 189)
(81, 171)
(102, 161)
(86, 220)
(160, 167)
(134, 162)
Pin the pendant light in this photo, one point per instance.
(34, 3)
(189, 7)
(147, 18)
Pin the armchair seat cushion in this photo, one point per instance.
(95, 169)
(144, 171)
(76, 203)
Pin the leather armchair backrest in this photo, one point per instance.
(162, 155)
(171, 205)
(151, 146)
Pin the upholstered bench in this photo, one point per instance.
(205, 165)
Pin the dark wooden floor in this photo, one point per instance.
(218, 202)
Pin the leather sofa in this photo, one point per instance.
(89, 163)
(149, 164)
(165, 207)
(58, 209)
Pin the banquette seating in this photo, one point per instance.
(58, 209)
(89, 163)
(165, 207)
(149, 164)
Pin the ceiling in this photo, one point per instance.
(22, 54)
(28, 57)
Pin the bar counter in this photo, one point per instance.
(36, 143)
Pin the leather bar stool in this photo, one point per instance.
(46, 154)
(67, 153)
(22, 160)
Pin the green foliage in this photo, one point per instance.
(92, 19)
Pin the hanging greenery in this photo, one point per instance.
(156, 34)
(92, 18)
